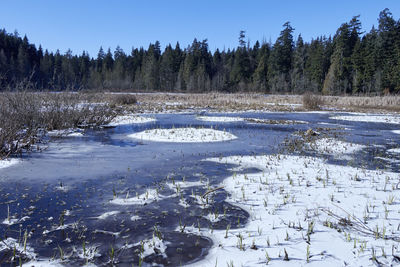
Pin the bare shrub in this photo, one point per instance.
(19, 122)
(311, 101)
(66, 110)
(26, 116)
(123, 99)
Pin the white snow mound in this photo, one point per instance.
(184, 135)
(130, 119)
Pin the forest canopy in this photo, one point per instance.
(350, 62)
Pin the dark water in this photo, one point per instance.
(62, 190)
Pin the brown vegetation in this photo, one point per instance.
(122, 99)
(159, 102)
(26, 116)
(311, 101)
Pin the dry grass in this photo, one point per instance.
(160, 102)
(216, 101)
(122, 99)
(364, 103)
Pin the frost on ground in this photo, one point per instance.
(4, 163)
(148, 197)
(219, 119)
(334, 147)
(129, 119)
(184, 135)
(369, 118)
(306, 211)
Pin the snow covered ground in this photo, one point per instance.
(309, 213)
(184, 135)
(129, 119)
(394, 119)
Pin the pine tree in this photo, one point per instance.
(281, 60)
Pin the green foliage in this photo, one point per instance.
(349, 63)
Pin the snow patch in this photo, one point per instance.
(43, 263)
(219, 119)
(148, 197)
(394, 150)
(75, 135)
(153, 246)
(266, 121)
(11, 221)
(369, 118)
(4, 163)
(71, 132)
(184, 135)
(334, 146)
(129, 119)
(107, 214)
(135, 218)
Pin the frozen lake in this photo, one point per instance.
(106, 197)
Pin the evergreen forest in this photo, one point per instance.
(349, 62)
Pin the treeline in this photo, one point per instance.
(352, 62)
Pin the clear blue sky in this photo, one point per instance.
(88, 24)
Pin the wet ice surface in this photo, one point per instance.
(106, 198)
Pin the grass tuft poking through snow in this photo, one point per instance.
(306, 211)
(334, 147)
